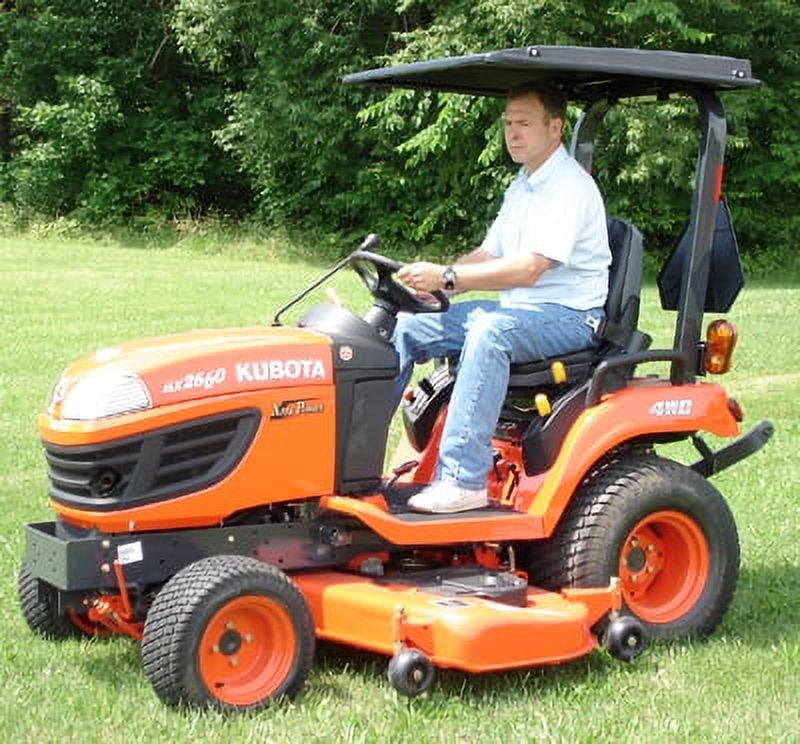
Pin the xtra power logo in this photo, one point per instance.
(287, 408)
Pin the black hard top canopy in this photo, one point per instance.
(584, 73)
(598, 78)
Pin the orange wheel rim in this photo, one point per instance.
(247, 650)
(664, 566)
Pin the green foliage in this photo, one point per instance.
(59, 140)
(645, 160)
(189, 106)
(291, 124)
(106, 116)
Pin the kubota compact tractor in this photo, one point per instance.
(219, 495)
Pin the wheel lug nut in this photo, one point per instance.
(233, 661)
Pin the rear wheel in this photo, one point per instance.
(230, 632)
(664, 530)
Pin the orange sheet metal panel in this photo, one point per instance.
(474, 526)
(647, 407)
(466, 633)
(188, 369)
(277, 467)
(287, 374)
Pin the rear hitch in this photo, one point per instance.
(712, 462)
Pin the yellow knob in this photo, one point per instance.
(542, 404)
(558, 372)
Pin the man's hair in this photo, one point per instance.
(552, 99)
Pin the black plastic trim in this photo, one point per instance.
(541, 443)
(713, 462)
(161, 464)
(585, 73)
(73, 560)
(602, 376)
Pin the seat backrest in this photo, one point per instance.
(624, 282)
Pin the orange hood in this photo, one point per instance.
(202, 364)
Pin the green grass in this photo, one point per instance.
(63, 298)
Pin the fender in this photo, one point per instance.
(645, 409)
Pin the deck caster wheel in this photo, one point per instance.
(624, 638)
(410, 672)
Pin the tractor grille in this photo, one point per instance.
(161, 464)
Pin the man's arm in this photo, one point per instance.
(478, 270)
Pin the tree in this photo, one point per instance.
(424, 168)
(114, 108)
(645, 165)
(108, 119)
(291, 124)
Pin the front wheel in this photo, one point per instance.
(38, 607)
(229, 632)
(663, 529)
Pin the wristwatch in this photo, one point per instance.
(449, 278)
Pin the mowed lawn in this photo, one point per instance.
(61, 299)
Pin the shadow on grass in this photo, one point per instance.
(113, 660)
(336, 666)
(333, 662)
(765, 608)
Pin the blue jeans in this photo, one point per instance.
(487, 339)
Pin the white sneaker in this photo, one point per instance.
(442, 498)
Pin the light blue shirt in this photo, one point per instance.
(556, 211)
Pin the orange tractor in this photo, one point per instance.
(219, 495)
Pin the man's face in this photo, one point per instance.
(531, 136)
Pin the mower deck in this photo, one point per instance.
(456, 626)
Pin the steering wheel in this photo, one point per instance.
(377, 273)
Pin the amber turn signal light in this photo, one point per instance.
(720, 343)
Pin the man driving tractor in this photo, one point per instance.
(547, 254)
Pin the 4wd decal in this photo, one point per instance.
(672, 407)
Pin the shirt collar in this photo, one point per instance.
(544, 171)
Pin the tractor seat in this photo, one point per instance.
(622, 314)
(541, 435)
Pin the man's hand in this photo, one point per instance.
(477, 271)
(422, 276)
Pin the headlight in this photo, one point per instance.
(102, 394)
